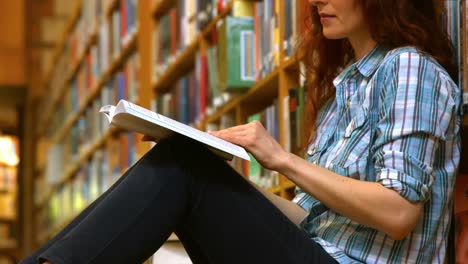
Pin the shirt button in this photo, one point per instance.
(311, 150)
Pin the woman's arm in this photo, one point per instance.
(368, 203)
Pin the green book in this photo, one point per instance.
(236, 53)
(255, 169)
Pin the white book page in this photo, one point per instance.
(182, 129)
(108, 111)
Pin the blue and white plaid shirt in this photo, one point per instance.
(413, 106)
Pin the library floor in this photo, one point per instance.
(172, 252)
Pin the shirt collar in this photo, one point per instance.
(367, 65)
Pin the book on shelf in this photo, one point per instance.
(236, 53)
(132, 117)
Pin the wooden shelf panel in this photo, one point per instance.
(7, 219)
(95, 91)
(287, 184)
(110, 7)
(261, 93)
(162, 7)
(229, 106)
(291, 63)
(209, 28)
(8, 244)
(275, 189)
(183, 64)
(264, 90)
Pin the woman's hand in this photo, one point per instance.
(254, 137)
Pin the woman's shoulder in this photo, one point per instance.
(410, 53)
(412, 59)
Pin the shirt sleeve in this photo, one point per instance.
(415, 115)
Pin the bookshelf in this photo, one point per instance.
(9, 218)
(157, 73)
(48, 110)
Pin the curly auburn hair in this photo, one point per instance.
(392, 24)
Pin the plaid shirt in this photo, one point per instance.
(414, 151)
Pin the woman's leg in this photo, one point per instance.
(34, 256)
(180, 185)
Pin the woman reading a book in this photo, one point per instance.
(375, 185)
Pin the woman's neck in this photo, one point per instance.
(362, 44)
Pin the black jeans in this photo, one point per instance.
(180, 186)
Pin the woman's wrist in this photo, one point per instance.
(285, 160)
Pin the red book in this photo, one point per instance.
(203, 84)
(123, 21)
(89, 73)
(173, 17)
(257, 42)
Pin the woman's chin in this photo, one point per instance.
(329, 34)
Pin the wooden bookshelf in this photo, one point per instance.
(226, 11)
(273, 85)
(263, 89)
(184, 62)
(8, 244)
(71, 170)
(45, 118)
(96, 90)
(161, 7)
(112, 4)
(186, 59)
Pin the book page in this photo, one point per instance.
(187, 130)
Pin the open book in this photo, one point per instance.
(135, 118)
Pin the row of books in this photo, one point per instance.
(181, 25)
(123, 84)
(113, 32)
(240, 52)
(92, 179)
(91, 125)
(217, 72)
(8, 182)
(189, 98)
(293, 115)
(267, 37)
(456, 19)
(452, 20)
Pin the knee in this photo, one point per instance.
(178, 148)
